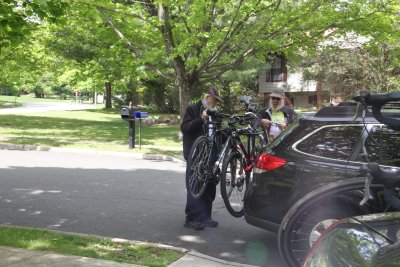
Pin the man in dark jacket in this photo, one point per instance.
(198, 211)
(276, 116)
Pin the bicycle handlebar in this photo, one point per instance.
(377, 101)
(217, 114)
(390, 178)
(248, 116)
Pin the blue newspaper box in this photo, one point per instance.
(141, 114)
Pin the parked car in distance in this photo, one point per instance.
(309, 177)
(370, 240)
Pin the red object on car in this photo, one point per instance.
(267, 162)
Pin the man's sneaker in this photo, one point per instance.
(194, 225)
(210, 223)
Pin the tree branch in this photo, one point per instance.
(131, 47)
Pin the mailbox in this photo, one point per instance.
(127, 113)
(141, 114)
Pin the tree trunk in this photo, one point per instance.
(184, 98)
(319, 95)
(94, 98)
(108, 95)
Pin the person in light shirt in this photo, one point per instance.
(276, 117)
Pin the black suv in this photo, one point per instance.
(310, 177)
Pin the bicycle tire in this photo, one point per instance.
(298, 231)
(233, 196)
(197, 169)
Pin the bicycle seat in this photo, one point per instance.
(389, 177)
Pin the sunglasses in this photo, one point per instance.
(276, 98)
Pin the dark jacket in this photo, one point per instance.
(192, 126)
(289, 114)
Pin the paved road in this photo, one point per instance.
(31, 107)
(120, 196)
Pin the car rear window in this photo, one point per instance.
(336, 141)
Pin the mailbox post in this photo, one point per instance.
(140, 115)
(128, 114)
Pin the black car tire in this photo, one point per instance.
(316, 215)
(233, 196)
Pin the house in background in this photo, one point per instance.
(306, 94)
(302, 94)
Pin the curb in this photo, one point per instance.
(146, 156)
(5, 146)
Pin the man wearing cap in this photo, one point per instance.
(276, 116)
(198, 211)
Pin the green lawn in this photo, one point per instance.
(14, 101)
(29, 98)
(87, 246)
(88, 129)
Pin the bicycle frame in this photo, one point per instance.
(233, 142)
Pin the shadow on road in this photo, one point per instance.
(142, 204)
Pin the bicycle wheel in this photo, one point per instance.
(307, 222)
(198, 166)
(233, 184)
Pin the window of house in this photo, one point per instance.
(278, 72)
(335, 142)
(383, 146)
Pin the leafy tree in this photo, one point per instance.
(161, 95)
(239, 82)
(19, 17)
(366, 58)
(346, 70)
(192, 43)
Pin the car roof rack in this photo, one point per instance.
(337, 111)
(349, 110)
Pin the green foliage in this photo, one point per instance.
(19, 17)
(189, 45)
(344, 70)
(160, 95)
(7, 90)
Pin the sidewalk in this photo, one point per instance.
(15, 257)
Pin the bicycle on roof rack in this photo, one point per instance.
(389, 177)
(208, 152)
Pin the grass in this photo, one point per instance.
(87, 129)
(29, 98)
(87, 246)
(14, 101)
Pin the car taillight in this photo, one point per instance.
(267, 162)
